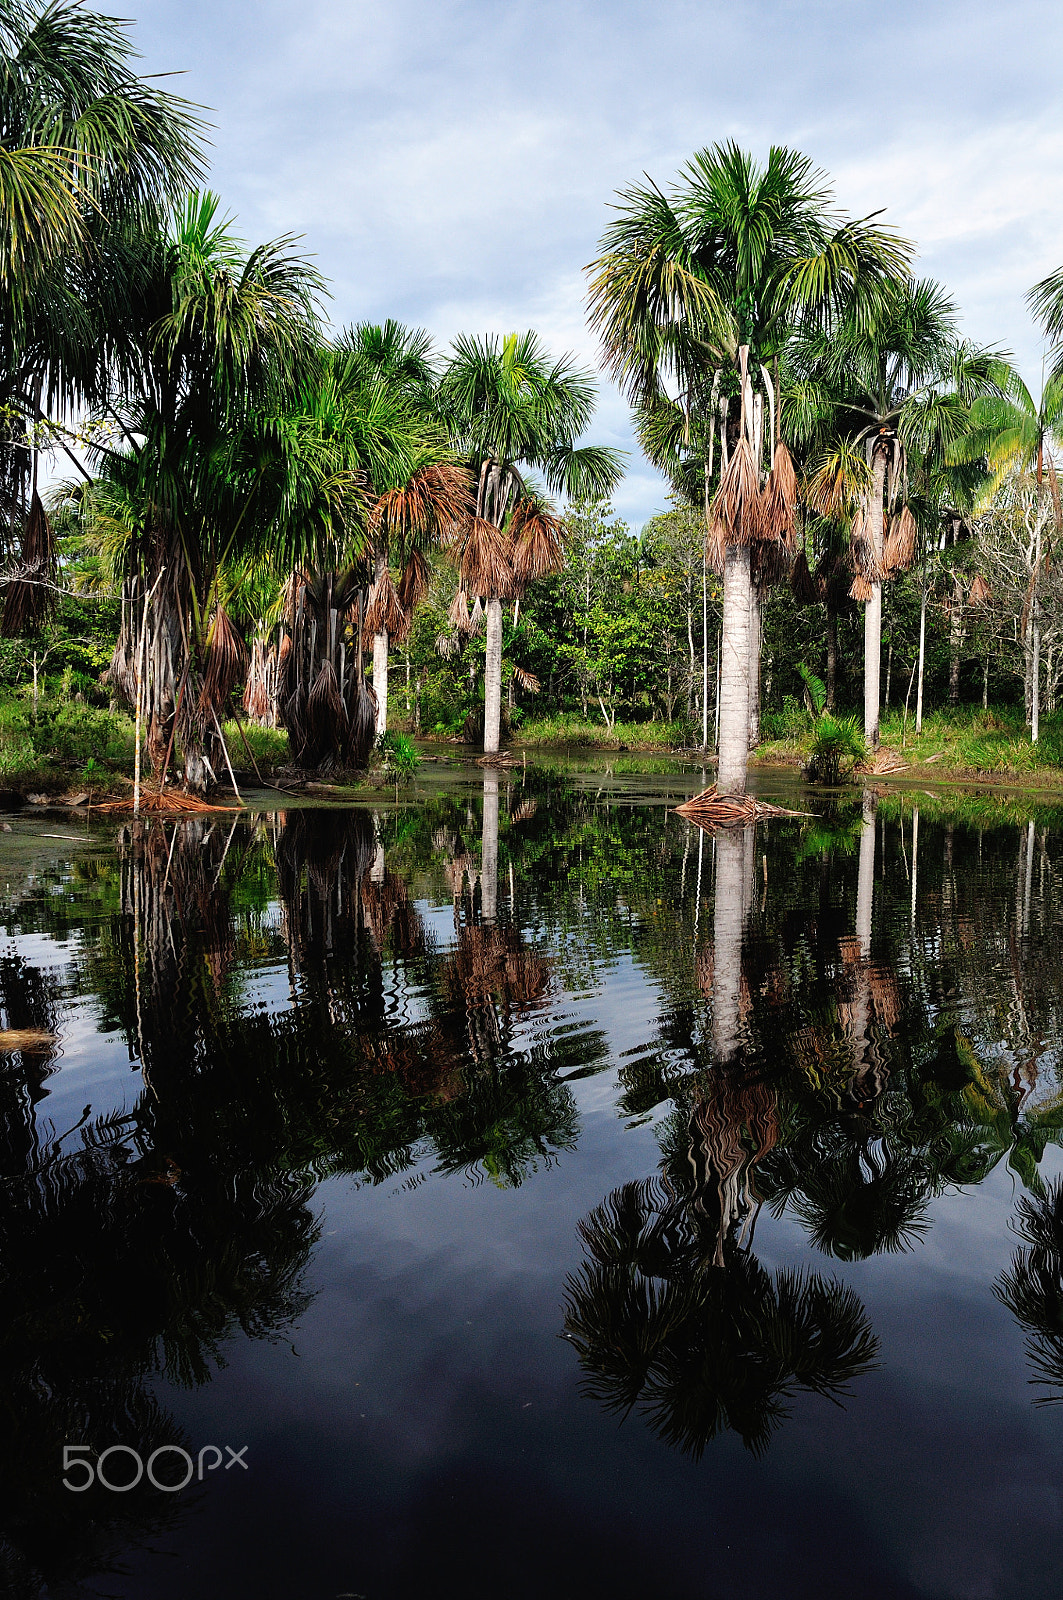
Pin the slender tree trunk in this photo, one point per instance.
(380, 680)
(493, 676)
(832, 658)
(1035, 686)
(873, 607)
(922, 661)
(489, 849)
(704, 648)
(734, 672)
(955, 640)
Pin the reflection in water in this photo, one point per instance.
(672, 1313)
(869, 1018)
(1033, 1287)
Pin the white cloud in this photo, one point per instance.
(451, 162)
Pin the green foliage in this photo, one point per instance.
(269, 746)
(815, 689)
(837, 746)
(64, 735)
(399, 757)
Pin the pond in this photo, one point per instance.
(513, 1187)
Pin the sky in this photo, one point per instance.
(451, 162)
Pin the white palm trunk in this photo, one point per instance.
(493, 676)
(735, 672)
(380, 680)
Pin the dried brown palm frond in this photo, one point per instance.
(524, 811)
(447, 645)
(832, 577)
(477, 619)
(806, 590)
(737, 501)
(413, 582)
(29, 600)
(436, 496)
(526, 680)
(715, 544)
(776, 521)
(537, 546)
(860, 589)
(458, 615)
(223, 662)
(485, 555)
(361, 723)
(980, 593)
(770, 563)
(900, 542)
(493, 962)
(384, 612)
(326, 714)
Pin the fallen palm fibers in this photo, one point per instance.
(165, 805)
(713, 810)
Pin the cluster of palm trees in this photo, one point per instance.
(746, 318)
(228, 433)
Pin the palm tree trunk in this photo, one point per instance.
(735, 672)
(873, 607)
(756, 634)
(493, 676)
(380, 679)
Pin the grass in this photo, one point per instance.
(62, 741)
(269, 746)
(570, 730)
(966, 740)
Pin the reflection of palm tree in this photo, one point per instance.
(1033, 1289)
(698, 1343)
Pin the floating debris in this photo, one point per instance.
(712, 810)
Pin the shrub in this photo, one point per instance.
(837, 746)
(400, 759)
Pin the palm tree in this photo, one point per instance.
(359, 471)
(1033, 1287)
(213, 338)
(88, 149)
(410, 518)
(893, 384)
(698, 292)
(508, 405)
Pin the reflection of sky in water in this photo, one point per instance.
(422, 1430)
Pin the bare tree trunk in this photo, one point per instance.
(380, 680)
(704, 648)
(832, 658)
(955, 640)
(734, 672)
(1035, 686)
(922, 660)
(493, 676)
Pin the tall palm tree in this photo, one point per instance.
(698, 292)
(508, 405)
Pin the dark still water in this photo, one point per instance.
(526, 1193)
